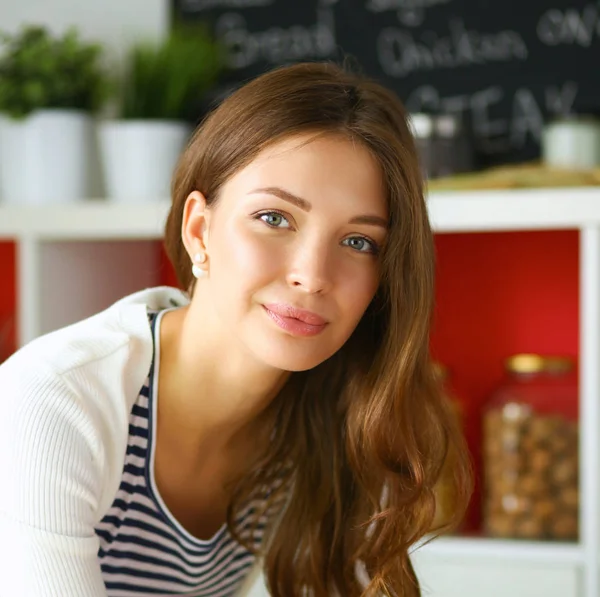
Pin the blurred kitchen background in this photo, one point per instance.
(97, 100)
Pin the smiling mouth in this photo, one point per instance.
(294, 321)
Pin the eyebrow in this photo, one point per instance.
(304, 205)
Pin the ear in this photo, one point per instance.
(195, 224)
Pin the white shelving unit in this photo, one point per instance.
(97, 250)
(74, 260)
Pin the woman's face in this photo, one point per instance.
(292, 247)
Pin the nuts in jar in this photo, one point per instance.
(530, 452)
(444, 496)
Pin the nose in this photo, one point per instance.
(310, 269)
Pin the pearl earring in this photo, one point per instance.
(197, 271)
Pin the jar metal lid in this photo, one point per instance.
(440, 371)
(535, 363)
(421, 125)
(558, 364)
(448, 126)
(573, 120)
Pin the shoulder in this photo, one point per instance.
(122, 325)
(112, 348)
(73, 390)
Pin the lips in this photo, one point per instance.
(294, 321)
(292, 312)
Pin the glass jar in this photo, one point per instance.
(453, 149)
(422, 128)
(444, 493)
(530, 451)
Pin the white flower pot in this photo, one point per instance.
(47, 157)
(139, 156)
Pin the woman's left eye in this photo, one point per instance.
(361, 244)
(274, 219)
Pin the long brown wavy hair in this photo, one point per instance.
(360, 441)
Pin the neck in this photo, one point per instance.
(210, 393)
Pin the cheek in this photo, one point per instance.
(243, 257)
(356, 292)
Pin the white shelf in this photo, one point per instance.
(91, 219)
(474, 548)
(473, 211)
(517, 209)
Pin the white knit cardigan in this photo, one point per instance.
(65, 400)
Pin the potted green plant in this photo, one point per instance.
(161, 84)
(50, 87)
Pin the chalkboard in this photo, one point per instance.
(507, 66)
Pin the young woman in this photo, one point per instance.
(281, 415)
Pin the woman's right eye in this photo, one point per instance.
(274, 219)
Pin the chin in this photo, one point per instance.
(293, 364)
(291, 358)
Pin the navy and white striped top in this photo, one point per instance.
(143, 549)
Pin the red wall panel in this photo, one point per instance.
(8, 299)
(499, 294)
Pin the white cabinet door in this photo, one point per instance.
(459, 578)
